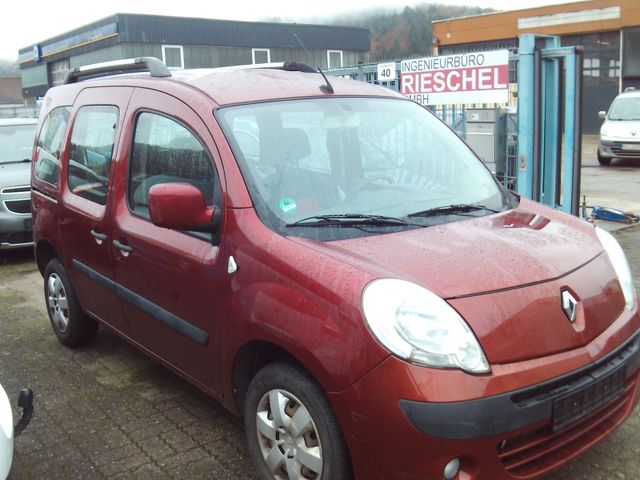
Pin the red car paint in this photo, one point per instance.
(502, 272)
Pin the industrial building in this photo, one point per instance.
(608, 31)
(187, 43)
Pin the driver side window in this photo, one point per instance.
(165, 151)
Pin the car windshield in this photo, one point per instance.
(16, 142)
(625, 108)
(368, 165)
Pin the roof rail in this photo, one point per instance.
(154, 66)
(629, 89)
(288, 66)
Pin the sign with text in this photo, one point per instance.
(477, 77)
(386, 71)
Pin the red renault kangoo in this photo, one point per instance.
(330, 261)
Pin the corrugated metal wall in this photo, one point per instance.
(198, 31)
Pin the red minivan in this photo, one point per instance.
(330, 261)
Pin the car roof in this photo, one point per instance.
(17, 121)
(234, 85)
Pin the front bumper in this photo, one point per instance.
(15, 220)
(406, 421)
(561, 401)
(619, 148)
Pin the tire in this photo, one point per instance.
(70, 324)
(604, 161)
(316, 450)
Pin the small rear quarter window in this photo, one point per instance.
(50, 144)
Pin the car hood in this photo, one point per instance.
(621, 130)
(14, 174)
(523, 246)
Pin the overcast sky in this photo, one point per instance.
(24, 23)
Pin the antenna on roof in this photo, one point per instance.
(328, 88)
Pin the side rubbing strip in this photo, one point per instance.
(194, 333)
(93, 275)
(187, 329)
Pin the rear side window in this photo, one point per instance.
(50, 145)
(92, 140)
(165, 151)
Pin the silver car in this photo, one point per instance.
(620, 131)
(17, 136)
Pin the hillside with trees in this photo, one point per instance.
(408, 33)
(397, 32)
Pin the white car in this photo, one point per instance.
(620, 131)
(7, 430)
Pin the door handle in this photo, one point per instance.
(100, 237)
(123, 247)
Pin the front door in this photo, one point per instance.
(169, 281)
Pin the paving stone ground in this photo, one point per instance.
(107, 411)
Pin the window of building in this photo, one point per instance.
(260, 55)
(58, 71)
(591, 67)
(334, 58)
(92, 140)
(173, 56)
(614, 68)
(165, 151)
(601, 56)
(50, 145)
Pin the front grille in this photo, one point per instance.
(20, 189)
(587, 406)
(18, 206)
(625, 153)
(540, 451)
(20, 238)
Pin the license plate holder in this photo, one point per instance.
(581, 402)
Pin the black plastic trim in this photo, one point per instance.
(511, 411)
(93, 275)
(185, 328)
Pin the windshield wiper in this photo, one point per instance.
(348, 220)
(451, 210)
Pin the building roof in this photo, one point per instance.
(134, 28)
(563, 19)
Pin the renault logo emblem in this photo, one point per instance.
(569, 305)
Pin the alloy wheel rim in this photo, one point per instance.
(58, 302)
(288, 437)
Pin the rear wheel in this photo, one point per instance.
(291, 429)
(70, 324)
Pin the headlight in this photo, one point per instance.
(421, 327)
(620, 265)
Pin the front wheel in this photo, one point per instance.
(70, 324)
(604, 161)
(291, 429)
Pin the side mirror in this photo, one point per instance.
(180, 206)
(602, 115)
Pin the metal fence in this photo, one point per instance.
(452, 115)
(19, 111)
(456, 115)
